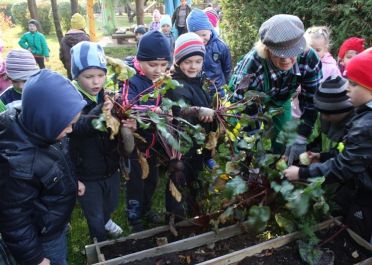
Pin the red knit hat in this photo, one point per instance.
(353, 43)
(359, 69)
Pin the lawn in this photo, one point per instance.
(78, 235)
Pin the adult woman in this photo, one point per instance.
(279, 63)
(179, 17)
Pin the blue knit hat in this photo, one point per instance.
(198, 20)
(153, 46)
(49, 104)
(165, 20)
(85, 55)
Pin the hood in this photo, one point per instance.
(49, 104)
(328, 59)
(74, 36)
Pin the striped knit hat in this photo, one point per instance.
(212, 15)
(20, 64)
(187, 45)
(331, 96)
(86, 55)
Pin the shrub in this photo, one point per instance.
(20, 14)
(345, 18)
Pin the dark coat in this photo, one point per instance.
(353, 166)
(38, 189)
(93, 154)
(71, 38)
(175, 15)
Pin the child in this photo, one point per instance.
(319, 39)
(75, 35)
(4, 81)
(151, 61)
(188, 56)
(93, 154)
(348, 49)
(155, 24)
(20, 65)
(38, 187)
(336, 111)
(35, 42)
(353, 166)
(217, 61)
(139, 31)
(213, 17)
(165, 27)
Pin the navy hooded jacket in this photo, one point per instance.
(38, 188)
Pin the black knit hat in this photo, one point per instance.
(153, 46)
(331, 96)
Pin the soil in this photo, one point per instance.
(342, 247)
(130, 246)
(203, 253)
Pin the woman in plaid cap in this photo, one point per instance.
(280, 62)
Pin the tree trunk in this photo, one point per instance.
(32, 8)
(57, 23)
(90, 13)
(74, 6)
(139, 12)
(131, 15)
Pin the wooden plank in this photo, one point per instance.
(91, 250)
(235, 257)
(181, 245)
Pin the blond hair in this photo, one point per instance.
(318, 32)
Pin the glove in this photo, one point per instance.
(293, 151)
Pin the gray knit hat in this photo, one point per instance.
(20, 64)
(331, 97)
(283, 35)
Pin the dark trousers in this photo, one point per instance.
(100, 200)
(181, 30)
(139, 191)
(40, 61)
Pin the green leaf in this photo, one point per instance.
(258, 217)
(286, 223)
(237, 185)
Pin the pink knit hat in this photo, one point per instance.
(212, 15)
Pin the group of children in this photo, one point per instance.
(52, 170)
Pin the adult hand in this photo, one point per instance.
(292, 173)
(81, 188)
(293, 151)
(45, 261)
(206, 114)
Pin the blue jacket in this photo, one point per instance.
(217, 63)
(137, 85)
(38, 189)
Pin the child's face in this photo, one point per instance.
(156, 18)
(92, 80)
(18, 84)
(205, 35)
(32, 27)
(320, 46)
(348, 56)
(68, 129)
(192, 66)
(153, 69)
(358, 95)
(165, 29)
(138, 36)
(283, 64)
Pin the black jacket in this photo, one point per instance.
(93, 154)
(38, 189)
(353, 166)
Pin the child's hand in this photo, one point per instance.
(81, 188)
(205, 114)
(130, 124)
(107, 105)
(47, 59)
(314, 157)
(292, 173)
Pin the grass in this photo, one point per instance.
(78, 235)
